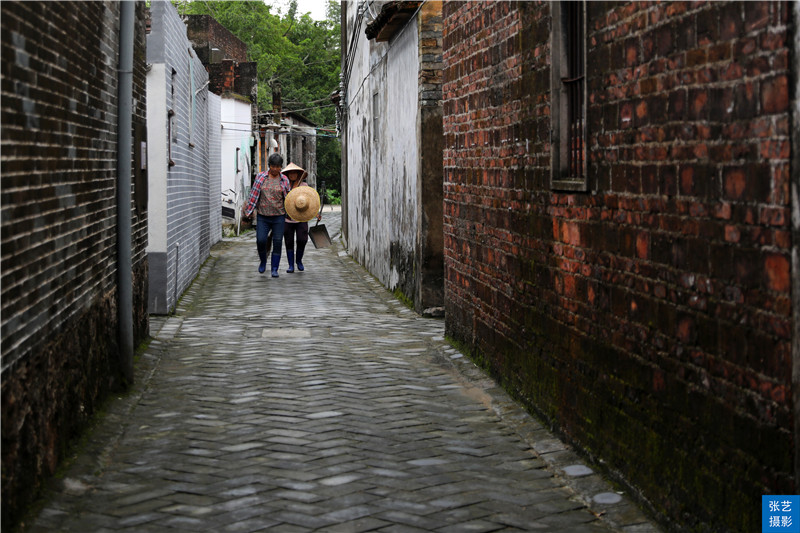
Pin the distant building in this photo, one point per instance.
(235, 81)
(297, 139)
(290, 134)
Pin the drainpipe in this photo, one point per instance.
(125, 142)
(794, 115)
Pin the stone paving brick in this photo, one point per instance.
(342, 411)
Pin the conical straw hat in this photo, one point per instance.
(302, 203)
(291, 167)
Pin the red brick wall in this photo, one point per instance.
(206, 33)
(228, 77)
(649, 318)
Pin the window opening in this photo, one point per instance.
(574, 86)
(375, 116)
(191, 100)
(568, 86)
(172, 134)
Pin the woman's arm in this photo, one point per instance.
(252, 201)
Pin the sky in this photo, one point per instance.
(315, 7)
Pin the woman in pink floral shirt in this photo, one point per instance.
(266, 198)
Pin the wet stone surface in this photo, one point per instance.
(318, 402)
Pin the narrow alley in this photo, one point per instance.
(318, 402)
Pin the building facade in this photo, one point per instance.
(236, 163)
(291, 135)
(618, 184)
(184, 188)
(62, 345)
(234, 79)
(390, 109)
(297, 143)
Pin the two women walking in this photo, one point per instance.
(284, 203)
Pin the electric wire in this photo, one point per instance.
(380, 61)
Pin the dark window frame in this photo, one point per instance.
(569, 97)
(376, 103)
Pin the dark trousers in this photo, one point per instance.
(289, 231)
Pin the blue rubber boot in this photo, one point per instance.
(276, 262)
(262, 266)
(300, 249)
(290, 257)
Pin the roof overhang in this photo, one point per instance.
(393, 16)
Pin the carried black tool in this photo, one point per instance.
(318, 232)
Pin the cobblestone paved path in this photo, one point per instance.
(318, 402)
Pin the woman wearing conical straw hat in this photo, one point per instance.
(302, 204)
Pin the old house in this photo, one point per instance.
(74, 225)
(183, 159)
(391, 122)
(234, 80)
(619, 185)
(290, 134)
(297, 141)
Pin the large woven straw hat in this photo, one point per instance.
(302, 203)
(291, 167)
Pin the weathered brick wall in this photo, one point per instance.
(59, 244)
(139, 226)
(206, 33)
(228, 76)
(649, 318)
(430, 244)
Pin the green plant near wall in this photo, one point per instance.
(332, 197)
(403, 298)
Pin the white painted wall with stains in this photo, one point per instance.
(382, 152)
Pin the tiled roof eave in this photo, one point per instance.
(392, 17)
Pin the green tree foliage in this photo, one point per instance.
(292, 49)
(329, 165)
